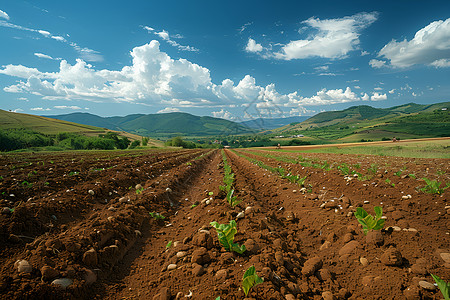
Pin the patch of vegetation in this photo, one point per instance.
(370, 222)
(443, 286)
(250, 279)
(434, 187)
(225, 233)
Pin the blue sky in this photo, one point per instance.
(234, 59)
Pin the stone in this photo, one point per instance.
(349, 248)
(290, 216)
(420, 267)
(364, 261)
(197, 270)
(240, 215)
(328, 296)
(91, 192)
(251, 246)
(48, 273)
(90, 258)
(446, 257)
(221, 275)
(6, 210)
(392, 257)
(72, 246)
(89, 276)
(375, 237)
(324, 275)
(138, 186)
(426, 285)
(62, 283)
(248, 210)
(311, 266)
(23, 266)
(347, 238)
(325, 245)
(203, 239)
(289, 297)
(171, 267)
(200, 256)
(181, 254)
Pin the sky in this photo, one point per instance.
(237, 60)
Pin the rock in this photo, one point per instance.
(169, 190)
(396, 228)
(325, 245)
(289, 297)
(200, 256)
(331, 205)
(138, 186)
(364, 261)
(240, 215)
(446, 257)
(90, 258)
(164, 294)
(311, 266)
(197, 270)
(62, 282)
(48, 273)
(324, 275)
(181, 254)
(221, 275)
(412, 293)
(227, 257)
(290, 216)
(171, 267)
(328, 296)
(6, 210)
(203, 239)
(347, 238)
(420, 267)
(251, 246)
(279, 258)
(349, 248)
(89, 276)
(23, 266)
(392, 257)
(375, 237)
(92, 193)
(248, 210)
(426, 285)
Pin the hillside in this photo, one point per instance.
(161, 125)
(366, 122)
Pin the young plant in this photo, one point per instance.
(433, 187)
(169, 244)
(225, 233)
(344, 168)
(443, 286)
(232, 200)
(370, 222)
(139, 190)
(156, 216)
(250, 279)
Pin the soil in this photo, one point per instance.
(107, 225)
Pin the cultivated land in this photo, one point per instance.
(95, 221)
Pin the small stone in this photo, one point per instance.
(375, 237)
(203, 239)
(251, 246)
(426, 285)
(311, 266)
(6, 210)
(197, 270)
(347, 238)
(62, 282)
(169, 190)
(328, 296)
(396, 228)
(364, 261)
(200, 256)
(138, 186)
(240, 215)
(420, 267)
(23, 266)
(349, 248)
(392, 257)
(48, 273)
(171, 267)
(138, 233)
(248, 210)
(92, 193)
(90, 258)
(181, 254)
(324, 275)
(290, 216)
(325, 245)
(112, 208)
(289, 297)
(221, 275)
(123, 200)
(89, 276)
(331, 205)
(446, 257)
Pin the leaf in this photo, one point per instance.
(360, 213)
(250, 279)
(378, 212)
(443, 286)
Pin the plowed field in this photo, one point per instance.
(107, 225)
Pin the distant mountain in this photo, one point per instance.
(366, 122)
(161, 125)
(266, 123)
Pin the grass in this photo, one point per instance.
(419, 149)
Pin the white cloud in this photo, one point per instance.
(42, 55)
(23, 99)
(392, 91)
(430, 46)
(73, 107)
(253, 47)
(223, 114)
(44, 33)
(168, 110)
(334, 38)
(357, 87)
(40, 109)
(375, 63)
(322, 68)
(17, 110)
(58, 38)
(365, 97)
(364, 53)
(167, 37)
(377, 97)
(378, 88)
(4, 15)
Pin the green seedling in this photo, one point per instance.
(188, 164)
(399, 173)
(26, 184)
(73, 173)
(373, 169)
(412, 176)
(434, 187)
(169, 244)
(211, 193)
(370, 222)
(345, 170)
(232, 200)
(194, 205)
(139, 190)
(443, 286)
(225, 233)
(156, 216)
(250, 279)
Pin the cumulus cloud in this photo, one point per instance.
(40, 109)
(168, 110)
(378, 97)
(375, 63)
(4, 15)
(253, 46)
(392, 91)
(163, 34)
(155, 79)
(223, 114)
(332, 38)
(430, 46)
(73, 107)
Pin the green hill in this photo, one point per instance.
(368, 123)
(161, 125)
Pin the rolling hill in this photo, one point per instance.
(161, 125)
(366, 122)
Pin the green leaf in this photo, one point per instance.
(360, 213)
(250, 279)
(378, 212)
(443, 286)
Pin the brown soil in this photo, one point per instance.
(81, 217)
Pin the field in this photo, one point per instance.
(137, 225)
